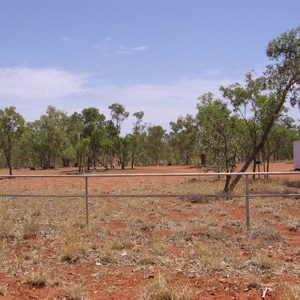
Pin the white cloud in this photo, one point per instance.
(139, 48)
(70, 41)
(24, 83)
(32, 90)
(130, 50)
(66, 39)
(161, 103)
(108, 38)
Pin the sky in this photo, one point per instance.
(155, 56)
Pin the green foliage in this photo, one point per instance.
(183, 139)
(156, 145)
(264, 97)
(218, 133)
(119, 115)
(11, 129)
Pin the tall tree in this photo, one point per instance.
(119, 115)
(219, 135)
(94, 129)
(183, 139)
(137, 136)
(50, 136)
(279, 84)
(11, 128)
(156, 144)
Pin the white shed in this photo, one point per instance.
(297, 155)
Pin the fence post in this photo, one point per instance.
(247, 202)
(86, 200)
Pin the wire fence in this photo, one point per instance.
(86, 195)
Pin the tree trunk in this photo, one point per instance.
(254, 167)
(262, 142)
(8, 160)
(9, 167)
(227, 182)
(132, 160)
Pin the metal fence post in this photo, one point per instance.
(247, 202)
(86, 200)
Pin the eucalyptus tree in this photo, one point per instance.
(137, 136)
(74, 132)
(278, 85)
(93, 127)
(184, 139)
(215, 133)
(218, 134)
(82, 150)
(118, 116)
(156, 144)
(49, 136)
(11, 128)
(110, 142)
(24, 151)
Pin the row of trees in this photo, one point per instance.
(249, 124)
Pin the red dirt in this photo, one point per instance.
(126, 281)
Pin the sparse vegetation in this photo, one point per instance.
(74, 292)
(291, 291)
(37, 278)
(47, 243)
(161, 289)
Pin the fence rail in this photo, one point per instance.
(247, 195)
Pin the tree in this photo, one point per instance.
(183, 139)
(49, 136)
(94, 129)
(137, 136)
(119, 115)
(11, 128)
(279, 84)
(218, 134)
(82, 152)
(156, 144)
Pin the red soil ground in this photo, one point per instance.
(115, 281)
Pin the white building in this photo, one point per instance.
(297, 155)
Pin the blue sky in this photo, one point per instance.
(151, 56)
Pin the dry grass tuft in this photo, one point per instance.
(209, 257)
(161, 289)
(30, 228)
(71, 252)
(293, 224)
(263, 230)
(107, 257)
(6, 224)
(74, 292)
(37, 278)
(292, 183)
(261, 263)
(291, 291)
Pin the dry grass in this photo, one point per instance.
(177, 238)
(290, 291)
(292, 223)
(263, 230)
(209, 257)
(162, 289)
(37, 278)
(74, 292)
